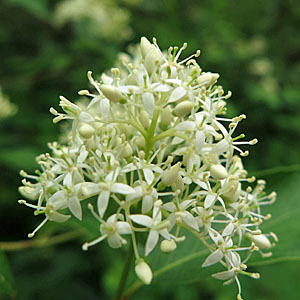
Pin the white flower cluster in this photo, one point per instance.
(152, 147)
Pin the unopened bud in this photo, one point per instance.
(86, 131)
(170, 176)
(183, 108)
(168, 246)
(144, 118)
(127, 151)
(146, 46)
(260, 240)
(166, 116)
(151, 60)
(29, 192)
(143, 272)
(218, 172)
(140, 142)
(111, 92)
(208, 79)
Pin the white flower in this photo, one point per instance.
(112, 229)
(155, 224)
(148, 195)
(105, 189)
(181, 213)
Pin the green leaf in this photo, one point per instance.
(184, 264)
(285, 221)
(7, 284)
(19, 158)
(37, 8)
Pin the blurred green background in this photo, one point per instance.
(46, 49)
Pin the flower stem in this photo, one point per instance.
(125, 272)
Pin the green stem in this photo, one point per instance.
(150, 136)
(39, 242)
(125, 272)
(130, 122)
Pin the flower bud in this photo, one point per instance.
(143, 272)
(86, 131)
(144, 118)
(131, 79)
(218, 172)
(146, 46)
(152, 58)
(168, 246)
(183, 108)
(260, 240)
(232, 190)
(208, 78)
(111, 92)
(127, 151)
(170, 176)
(140, 142)
(166, 117)
(29, 192)
(178, 184)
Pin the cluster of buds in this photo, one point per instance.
(153, 146)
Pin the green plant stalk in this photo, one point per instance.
(125, 272)
(150, 140)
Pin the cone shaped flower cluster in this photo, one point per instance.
(152, 143)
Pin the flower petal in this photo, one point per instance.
(85, 117)
(213, 258)
(151, 241)
(114, 240)
(149, 103)
(177, 94)
(209, 200)
(102, 202)
(224, 275)
(199, 140)
(147, 204)
(58, 217)
(185, 125)
(123, 227)
(149, 176)
(121, 188)
(75, 207)
(68, 180)
(228, 229)
(142, 220)
(190, 221)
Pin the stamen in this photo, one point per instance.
(86, 245)
(180, 51)
(197, 54)
(93, 82)
(30, 235)
(91, 208)
(84, 93)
